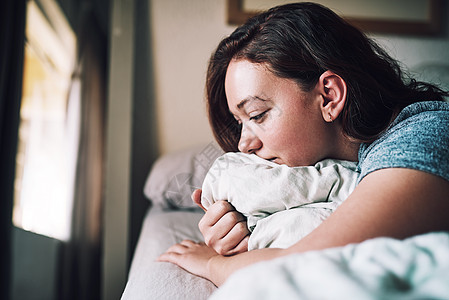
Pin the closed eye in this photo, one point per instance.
(259, 117)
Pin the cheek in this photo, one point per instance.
(297, 144)
(284, 138)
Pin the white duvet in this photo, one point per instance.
(282, 204)
(381, 268)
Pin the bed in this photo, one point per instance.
(155, 280)
(381, 268)
(171, 218)
(417, 268)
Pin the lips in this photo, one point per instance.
(271, 159)
(275, 160)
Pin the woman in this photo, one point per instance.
(296, 85)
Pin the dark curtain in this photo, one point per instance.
(82, 258)
(12, 37)
(144, 150)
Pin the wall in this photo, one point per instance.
(184, 33)
(417, 51)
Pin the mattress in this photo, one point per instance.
(149, 279)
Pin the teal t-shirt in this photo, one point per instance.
(417, 139)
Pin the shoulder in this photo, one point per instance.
(417, 139)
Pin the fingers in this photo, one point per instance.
(186, 244)
(216, 212)
(231, 224)
(240, 248)
(177, 250)
(235, 241)
(196, 197)
(224, 229)
(182, 246)
(171, 257)
(191, 256)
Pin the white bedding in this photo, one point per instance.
(149, 279)
(381, 268)
(282, 204)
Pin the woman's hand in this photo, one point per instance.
(203, 261)
(192, 257)
(224, 229)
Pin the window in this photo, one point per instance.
(48, 130)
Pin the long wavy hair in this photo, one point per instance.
(301, 41)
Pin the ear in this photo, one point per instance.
(333, 90)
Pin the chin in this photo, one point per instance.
(299, 163)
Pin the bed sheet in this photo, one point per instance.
(380, 268)
(149, 279)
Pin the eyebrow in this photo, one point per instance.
(247, 99)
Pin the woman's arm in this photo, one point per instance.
(394, 202)
(391, 202)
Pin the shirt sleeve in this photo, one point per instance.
(419, 142)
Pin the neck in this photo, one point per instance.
(350, 150)
(347, 148)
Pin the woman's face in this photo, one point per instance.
(280, 122)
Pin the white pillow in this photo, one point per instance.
(175, 176)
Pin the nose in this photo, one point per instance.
(249, 142)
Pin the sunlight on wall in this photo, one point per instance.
(48, 135)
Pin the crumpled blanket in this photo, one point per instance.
(380, 268)
(283, 204)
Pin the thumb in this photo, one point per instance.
(196, 197)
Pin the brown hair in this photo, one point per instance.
(301, 41)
